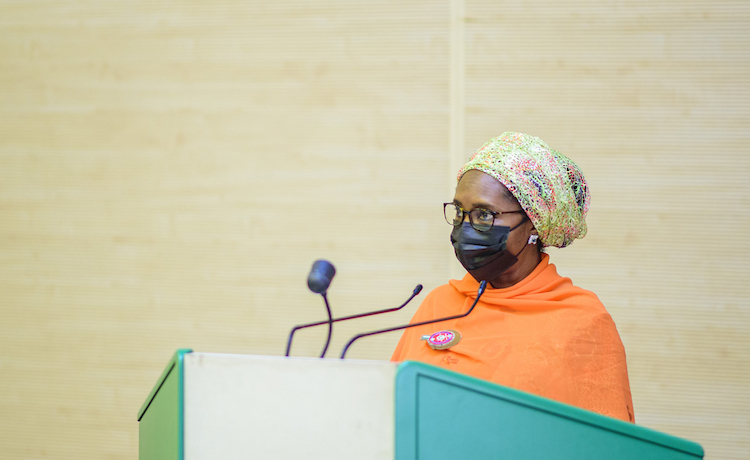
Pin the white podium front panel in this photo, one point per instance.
(239, 406)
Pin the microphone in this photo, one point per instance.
(416, 291)
(480, 291)
(320, 277)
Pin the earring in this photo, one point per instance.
(533, 238)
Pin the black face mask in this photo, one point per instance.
(483, 254)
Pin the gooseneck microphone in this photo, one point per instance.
(320, 277)
(416, 291)
(480, 291)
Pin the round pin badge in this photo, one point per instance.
(442, 340)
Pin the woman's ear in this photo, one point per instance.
(534, 239)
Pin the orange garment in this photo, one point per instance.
(543, 336)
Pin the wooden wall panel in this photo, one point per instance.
(651, 100)
(169, 171)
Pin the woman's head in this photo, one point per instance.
(548, 186)
(491, 233)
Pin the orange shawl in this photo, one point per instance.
(543, 336)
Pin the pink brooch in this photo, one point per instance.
(442, 340)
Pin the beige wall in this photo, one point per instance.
(169, 170)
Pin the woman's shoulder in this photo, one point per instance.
(445, 293)
(562, 288)
(441, 301)
(443, 289)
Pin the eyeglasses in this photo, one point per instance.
(481, 219)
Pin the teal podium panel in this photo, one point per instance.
(441, 414)
(210, 406)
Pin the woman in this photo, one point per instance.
(532, 329)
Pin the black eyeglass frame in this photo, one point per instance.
(460, 219)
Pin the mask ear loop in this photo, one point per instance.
(525, 218)
(522, 222)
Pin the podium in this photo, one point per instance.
(219, 406)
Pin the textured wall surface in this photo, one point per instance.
(169, 170)
(651, 100)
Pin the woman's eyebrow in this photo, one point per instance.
(480, 204)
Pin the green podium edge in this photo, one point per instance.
(175, 365)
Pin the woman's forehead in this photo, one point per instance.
(477, 188)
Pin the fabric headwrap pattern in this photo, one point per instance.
(549, 186)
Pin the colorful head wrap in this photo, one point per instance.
(549, 187)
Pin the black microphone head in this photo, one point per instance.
(418, 289)
(320, 276)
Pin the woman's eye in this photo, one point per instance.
(485, 215)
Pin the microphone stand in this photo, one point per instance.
(320, 277)
(480, 291)
(416, 291)
(330, 325)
